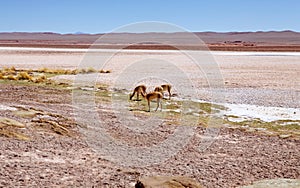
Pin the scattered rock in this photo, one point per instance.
(285, 135)
(275, 183)
(167, 182)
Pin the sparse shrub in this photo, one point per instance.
(41, 70)
(91, 70)
(23, 76)
(13, 69)
(50, 71)
(39, 79)
(81, 71)
(104, 71)
(42, 76)
(75, 71)
(61, 71)
(5, 69)
(67, 71)
(8, 71)
(12, 77)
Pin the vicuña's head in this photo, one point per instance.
(140, 89)
(158, 89)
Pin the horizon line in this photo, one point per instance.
(102, 33)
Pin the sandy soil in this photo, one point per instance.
(235, 158)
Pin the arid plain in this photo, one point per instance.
(42, 142)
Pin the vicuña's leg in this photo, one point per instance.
(137, 96)
(167, 87)
(149, 105)
(132, 95)
(154, 95)
(160, 105)
(169, 90)
(158, 102)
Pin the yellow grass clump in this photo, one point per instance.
(39, 79)
(75, 71)
(11, 77)
(81, 71)
(59, 71)
(13, 74)
(104, 71)
(7, 71)
(10, 70)
(10, 128)
(91, 70)
(23, 76)
(43, 70)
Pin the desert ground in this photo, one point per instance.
(45, 142)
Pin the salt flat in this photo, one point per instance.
(257, 78)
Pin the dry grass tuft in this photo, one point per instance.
(39, 79)
(91, 70)
(14, 74)
(13, 134)
(4, 122)
(104, 71)
(9, 128)
(11, 70)
(38, 76)
(75, 71)
(24, 76)
(81, 71)
(12, 77)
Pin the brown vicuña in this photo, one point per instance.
(141, 89)
(164, 87)
(154, 95)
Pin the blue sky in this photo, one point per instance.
(96, 16)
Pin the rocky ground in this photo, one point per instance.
(51, 151)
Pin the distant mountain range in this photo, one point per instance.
(213, 39)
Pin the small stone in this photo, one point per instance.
(167, 182)
(284, 135)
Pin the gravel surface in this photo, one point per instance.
(235, 158)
